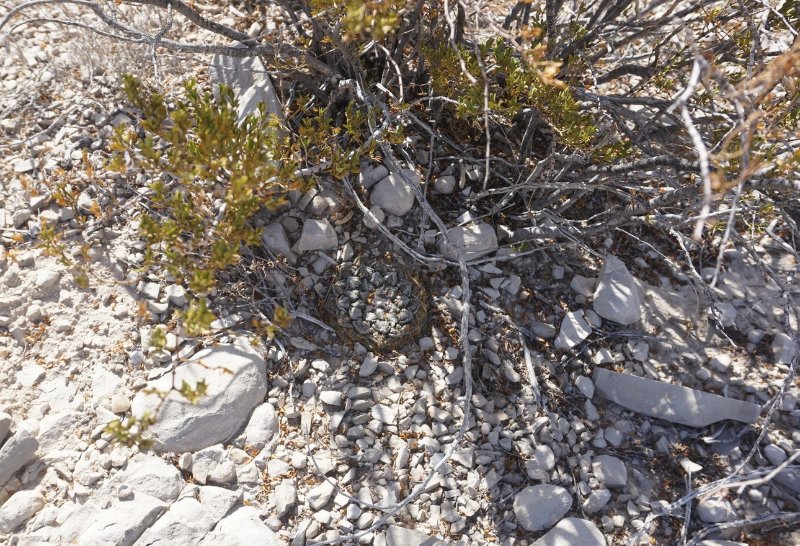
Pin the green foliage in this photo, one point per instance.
(211, 175)
(360, 19)
(513, 85)
(132, 431)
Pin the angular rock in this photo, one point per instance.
(236, 381)
(572, 532)
(19, 508)
(250, 81)
(542, 462)
(400, 536)
(715, 510)
(610, 471)
(444, 184)
(242, 527)
(783, 348)
(122, 522)
(394, 195)
(319, 496)
(317, 235)
(262, 426)
(574, 329)
(285, 497)
(274, 238)
(538, 507)
(149, 475)
(18, 450)
(185, 524)
(370, 174)
(475, 240)
(617, 296)
(672, 403)
(212, 465)
(596, 500)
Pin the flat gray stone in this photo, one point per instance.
(274, 238)
(18, 451)
(539, 466)
(250, 81)
(617, 296)
(371, 174)
(262, 426)
(475, 240)
(150, 475)
(574, 329)
(672, 403)
(394, 195)
(316, 235)
(318, 496)
(185, 524)
(610, 471)
(5, 426)
(539, 507)
(236, 382)
(285, 497)
(572, 532)
(715, 510)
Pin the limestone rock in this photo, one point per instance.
(574, 329)
(394, 195)
(572, 532)
(538, 507)
(16, 453)
(617, 296)
(236, 382)
(475, 240)
(316, 235)
(672, 403)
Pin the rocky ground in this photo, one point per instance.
(602, 393)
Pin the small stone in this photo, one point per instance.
(596, 501)
(539, 507)
(16, 452)
(475, 240)
(368, 366)
(715, 510)
(542, 330)
(379, 215)
(444, 184)
(617, 296)
(332, 398)
(317, 235)
(372, 174)
(384, 414)
(274, 238)
(319, 496)
(574, 329)
(120, 403)
(585, 385)
(47, 278)
(394, 195)
(542, 462)
(285, 497)
(572, 532)
(774, 454)
(24, 166)
(610, 471)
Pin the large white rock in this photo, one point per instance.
(672, 403)
(236, 382)
(19, 508)
(393, 195)
(146, 474)
(242, 527)
(316, 235)
(572, 532)
(16, 453)
(540, 506)
(189, 519)
(617, 296)
(574, 329)
(475, 240)
(122, 522)
(250, 81)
